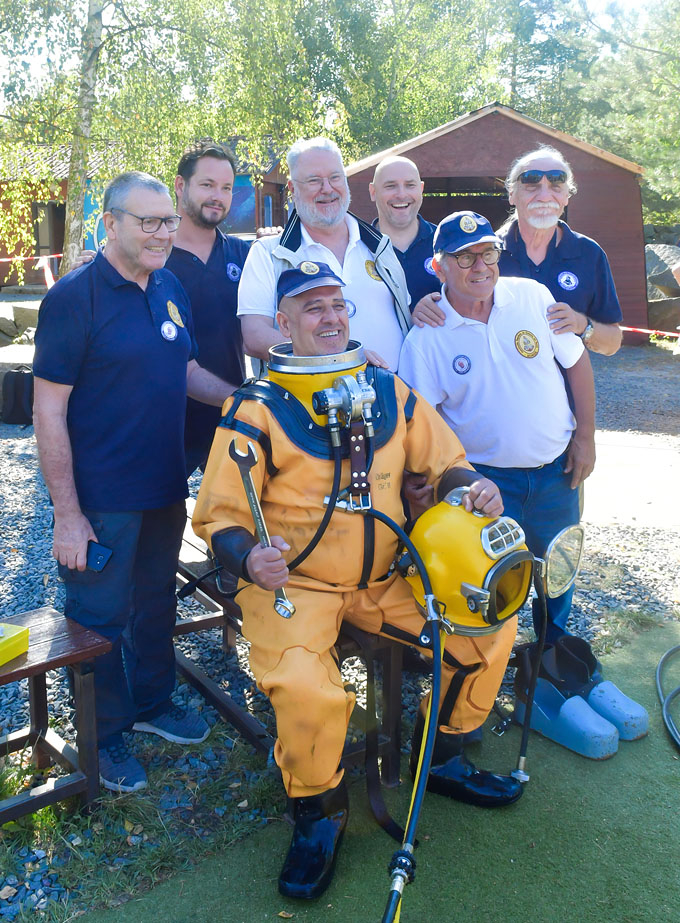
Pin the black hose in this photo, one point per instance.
(431, 730)
(524, 743)
(328, 512)
(666, 700)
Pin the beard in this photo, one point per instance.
(194, 213)
(543, 221)
(309, 213)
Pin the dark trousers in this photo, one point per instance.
(132, 603)
(543, 503)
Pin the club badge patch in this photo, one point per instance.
(526, 344)
(468, 224)
(233, 272)
(175, 315)
(351, 308)
(168, 330)
(428, 266)
(568, 280)
(461, 364)
(309, 268)
(372, 271)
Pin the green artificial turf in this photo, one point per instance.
(587, 842)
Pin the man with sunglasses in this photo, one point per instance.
(114, 363)
(536, 244)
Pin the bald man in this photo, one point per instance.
(397, 191)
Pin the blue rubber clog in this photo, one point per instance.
(569, 721)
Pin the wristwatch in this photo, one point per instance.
(587, 334)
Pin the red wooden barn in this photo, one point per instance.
(464, 164)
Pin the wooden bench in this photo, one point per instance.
(225, 614)
(55, 641)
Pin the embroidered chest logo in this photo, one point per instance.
(428, 266)
(568, 281)
(526, 344)
(461, 364)
(173, 311)
(372, 271)
(351, 308)
(233, 272)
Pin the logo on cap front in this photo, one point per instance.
(175, 315)
(526, 344)
(568, 280)
(372, 271)
(468, 224)
(309, 268)
(168, 330)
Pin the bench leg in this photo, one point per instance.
(392, 667)
(38, 707)
(86, 729)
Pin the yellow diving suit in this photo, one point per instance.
(344, 577)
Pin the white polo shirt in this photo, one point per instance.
(373, 320)
(497, 384)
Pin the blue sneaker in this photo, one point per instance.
(177, 725)
(119, 770)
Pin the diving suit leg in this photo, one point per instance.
(320, 822)
(452, 774)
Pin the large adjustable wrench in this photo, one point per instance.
(245, 461)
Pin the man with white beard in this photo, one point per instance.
(536, 244)
(322, 230)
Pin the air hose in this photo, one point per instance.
(402, 865)
(666, 699)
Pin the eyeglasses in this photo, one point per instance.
(534, 177)
(316, 182)
(151, 224)
(467, 259)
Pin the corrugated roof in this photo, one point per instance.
(405, 146)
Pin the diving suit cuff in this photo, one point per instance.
(456, 477)
(231, 547)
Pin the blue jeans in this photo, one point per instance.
(132, 603)
(543, 503)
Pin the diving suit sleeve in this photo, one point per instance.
(231, 547)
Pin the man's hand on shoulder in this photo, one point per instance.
(485, 497)
(266, 565)
(72, 532)
(427, 311)
(374, 358)
(85, 256)
(563, 319)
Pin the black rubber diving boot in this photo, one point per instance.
(453, 774)
(320, 822)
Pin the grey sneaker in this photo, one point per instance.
(177, 725)
(119, 771)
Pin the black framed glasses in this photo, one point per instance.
(534, 177)
(467, 258)
(149, 223)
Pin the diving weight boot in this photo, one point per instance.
(452, 773)
(320, 822)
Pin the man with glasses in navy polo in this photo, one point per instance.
(114, 363)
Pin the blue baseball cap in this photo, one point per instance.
(462, 230)
(307, 275)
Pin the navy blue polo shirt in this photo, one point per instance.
(416, 261)
(125, 352)
(576, 271)
(212, 289)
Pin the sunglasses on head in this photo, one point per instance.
(533, 177)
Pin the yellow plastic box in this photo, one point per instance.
(13, 641)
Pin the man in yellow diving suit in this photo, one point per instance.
(345, 577)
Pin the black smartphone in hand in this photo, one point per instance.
(97, 556)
